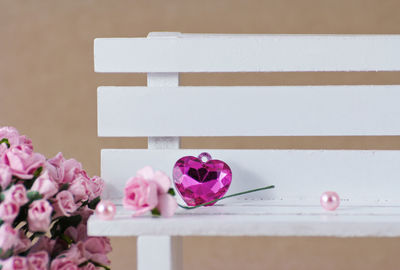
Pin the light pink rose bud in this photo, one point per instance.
(39, 216)
(80, 188)
(8, 211)
(23, 161)
(38, 260)
(16, 194)
(64, 263)
(5, 176)
(72, 169)
(96, 249)
(140, 195)
(55, 167)
(89, 266)
(23, 243)
(15, 263)
(166, 205)
(45, 185)
(65, 204)
(8, 237)
(97, 186)
(10, 133)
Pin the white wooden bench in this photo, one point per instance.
(367, 181)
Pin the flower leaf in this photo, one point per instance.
(5, 140)
(64, 186)
(92, 205)
(171, 191)
(33, 195)
(155, 212)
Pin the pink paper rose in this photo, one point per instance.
(140, 195)
(22, 161)
(23, 243)
(80, 187)
(8, 211)
(44, 244)
(38, 260)
(63, 264)
(77, 234)
(149, 190)
(55, 167)
(5, 176)
(96, 249)
(166, 205)
(97, 186)
(13, 136)
(65, 204)
(72, 169)
(15, 263)
(89, 266)
(16, 194)
(39, 215)
(45, 185)
(8, 237)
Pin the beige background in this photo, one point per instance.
(48, 91)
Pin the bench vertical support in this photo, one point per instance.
(161, 252)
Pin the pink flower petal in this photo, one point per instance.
(167, 205)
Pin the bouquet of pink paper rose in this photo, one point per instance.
(44, 208)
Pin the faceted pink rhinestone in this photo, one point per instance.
(200, 182)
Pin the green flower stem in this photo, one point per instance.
(229, 196)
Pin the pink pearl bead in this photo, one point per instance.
(105, 210)
(330, 200)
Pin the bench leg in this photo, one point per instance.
(159, 252)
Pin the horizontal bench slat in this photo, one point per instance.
(253, 53)
(299, 175)
(249, 111)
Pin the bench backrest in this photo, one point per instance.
(164, 109)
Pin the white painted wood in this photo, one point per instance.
(248, 53)
(249, 111)
(359, 176)
(163, 143)
(259, 218)
(159, 252)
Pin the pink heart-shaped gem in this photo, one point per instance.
(200, 182)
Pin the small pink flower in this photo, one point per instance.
(23, 243)
(45, 185)
(55, 167)
(15, 263)
(5, 176)
(39, 215)
(140, 195)
(161, 179)
(63, 264)
(38, 260)
(89, 266)
(22, 161)
(65, 204)
(80, 188)
(8, 211)
(97, 186)
(13, 136)
(8, 237)
(167, 205)
(72, 168)
(96, 249)
(74, 254)
(77, 234)
(44, 244)
(16, 194)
